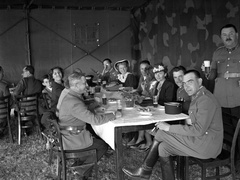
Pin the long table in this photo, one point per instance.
(132, 120)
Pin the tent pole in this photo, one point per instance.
(28, 38)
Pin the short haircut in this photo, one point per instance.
(72, 78)
(145, 62)
(46, 76)
(30, 69)
(228, 26)
(195, 72)
(107, 59)
(57, 67)
(179, 68)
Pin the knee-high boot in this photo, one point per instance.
(145, 171)
(167, 168)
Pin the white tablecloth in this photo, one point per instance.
(132, 117)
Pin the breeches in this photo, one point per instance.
(100, 146)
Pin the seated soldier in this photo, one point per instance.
(109, 74)
(202, 138)
(4, 91)
(182, 96)
(28, 84)
(75, 114)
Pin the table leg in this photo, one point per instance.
(119, 152)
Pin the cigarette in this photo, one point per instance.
(154, 129)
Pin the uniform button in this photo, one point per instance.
(230, 52)
(227, 64)
(206, 132)
(228, 58)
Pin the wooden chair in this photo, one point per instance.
(65, 157)
(226, 158)
(5, 114)
(28, 116)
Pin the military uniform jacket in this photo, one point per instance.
(27, 86)
(4, 90)
(227, 91)
(74, 112)
(203, 139)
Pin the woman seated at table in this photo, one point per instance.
(56, 75)
(125, 78)
(164, 90)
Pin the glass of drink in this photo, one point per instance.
(129, 102)
(155, 101)
(119, 105)
(207, 67)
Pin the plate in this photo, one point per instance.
(106, 112)
(145, 113)
(129, 108)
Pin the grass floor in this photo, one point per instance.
(29, 161)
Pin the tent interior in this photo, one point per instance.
(81, 33)
(66, 33)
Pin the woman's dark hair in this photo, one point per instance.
(51, 72)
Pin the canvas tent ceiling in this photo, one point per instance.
(73, 4)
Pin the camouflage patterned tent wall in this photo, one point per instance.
(181, 32)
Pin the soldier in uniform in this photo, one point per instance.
(109, 74)
(202, 138)
(225, 69)
(182, 96)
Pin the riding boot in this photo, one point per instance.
(145, 171)
(167, 168)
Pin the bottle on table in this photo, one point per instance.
(155, 101)
(104, 99)
(119, 105)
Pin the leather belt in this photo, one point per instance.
(233, 75)
(72, 128)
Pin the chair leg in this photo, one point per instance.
(19, 131)
(96, 171)
(186, 174)
(204, 172)
(50, 156)
(10, 131)
(217, 172)
(58, 170)
(38, 127)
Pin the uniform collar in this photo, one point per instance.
(232, 49)
(198, 93)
